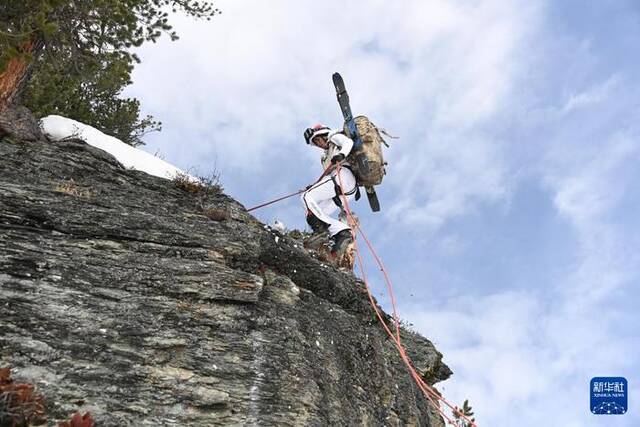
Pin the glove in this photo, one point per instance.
(337, 158)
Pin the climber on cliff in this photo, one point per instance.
(325, 197)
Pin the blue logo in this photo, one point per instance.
(609, 395)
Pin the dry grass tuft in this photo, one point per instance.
(202, 189)
(186, 183)
(200, 186)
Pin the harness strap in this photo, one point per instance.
(339, 190)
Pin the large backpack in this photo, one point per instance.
(366, 159)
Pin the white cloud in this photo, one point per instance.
(518, 361)
(591, 96)
(452, 245)
(587, 180)
(248, 83)
(527, 357)
(590, 184)
(439, 74)
(450, 177)
(491, 344)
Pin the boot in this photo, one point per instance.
(317, 225)
(319, 236)
(340, 241)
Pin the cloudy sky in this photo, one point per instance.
(510, 210)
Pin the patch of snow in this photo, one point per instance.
(57, 128)
(278, 226)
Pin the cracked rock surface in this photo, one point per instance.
(120, 296)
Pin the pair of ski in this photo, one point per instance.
(343, 100)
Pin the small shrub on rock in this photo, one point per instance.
(20, 405)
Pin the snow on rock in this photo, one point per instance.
(279, 226)
(57, 128)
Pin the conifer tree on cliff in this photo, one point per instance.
(73, 57)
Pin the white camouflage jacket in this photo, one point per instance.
(339, 143)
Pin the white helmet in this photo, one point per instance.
(314, 131)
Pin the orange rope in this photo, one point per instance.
(416, 378)
(275, 200)
(428, 391)
(314, 185)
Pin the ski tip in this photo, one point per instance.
(337, 77)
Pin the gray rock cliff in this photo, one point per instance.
(122, 295)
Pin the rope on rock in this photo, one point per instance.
(429, 392)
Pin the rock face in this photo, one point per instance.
(122, 295)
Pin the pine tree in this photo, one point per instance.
(463, 416)
(73, 57)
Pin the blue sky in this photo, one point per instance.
(509, 220)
